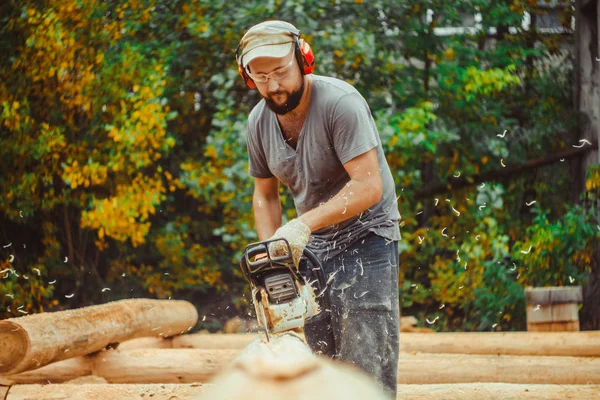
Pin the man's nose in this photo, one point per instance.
(273, 85)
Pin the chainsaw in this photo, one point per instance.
(285, 298)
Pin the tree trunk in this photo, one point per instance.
(36, 340)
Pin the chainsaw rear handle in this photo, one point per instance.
(251, 265)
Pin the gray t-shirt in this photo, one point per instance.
(338, 127)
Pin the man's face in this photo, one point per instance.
(285, 85)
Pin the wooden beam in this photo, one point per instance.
(577, 344)
(471, 391)
(162, 365)
(57, 372)
(152, 343)
(553, 295)
(36, 340)
(497, 391)
(459, 368)
(106, 391)
(200, 365)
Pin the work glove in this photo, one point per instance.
(297, 234)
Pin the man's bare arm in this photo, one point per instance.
(267, 206)
(364, 190)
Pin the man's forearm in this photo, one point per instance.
(267, 216)
(353, 199)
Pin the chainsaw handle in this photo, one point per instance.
(250, 264)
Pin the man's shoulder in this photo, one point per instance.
(333, 87)
(337, 95)
(257, 113)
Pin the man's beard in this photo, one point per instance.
(293, 101)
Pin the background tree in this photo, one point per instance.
(125, 170)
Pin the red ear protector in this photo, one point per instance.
(302, 50)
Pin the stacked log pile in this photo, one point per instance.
(140, 348)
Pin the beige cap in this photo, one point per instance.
(267, 39)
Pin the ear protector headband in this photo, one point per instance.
(302, 51)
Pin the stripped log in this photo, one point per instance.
(576, 344)
(458, 391)
(57, 372)
(36, 340)
(163, 365)
(497, 391)
(285, 368)
(459, 368)
(151, 343)
(200, 365)
(105, 391)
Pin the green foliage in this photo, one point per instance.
(556, 253)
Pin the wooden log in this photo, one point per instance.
(105, 391)
(200, 365)
(562, 326)
(163, 365)
(285, 368)
(457, 368)
(553, 309)
(150, 343)
(471, 391)
(215, 341)
(57, 372)
(553, 295)
(36, 340)
(577, 344)
(497, 391)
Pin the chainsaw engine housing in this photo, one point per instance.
(282, 297)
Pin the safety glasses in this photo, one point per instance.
(278, 74)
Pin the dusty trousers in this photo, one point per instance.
(362, 325)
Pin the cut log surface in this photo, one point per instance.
(200, 365)
(577, 344)
(285, 368)
(36, 340)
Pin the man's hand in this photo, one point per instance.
(297, 234)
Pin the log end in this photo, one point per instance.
(14, 342)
